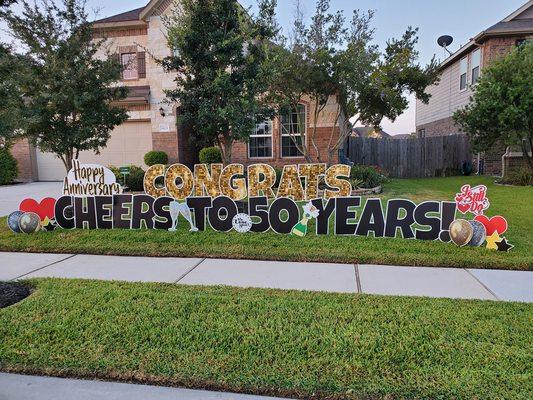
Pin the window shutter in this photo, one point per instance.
(141, 64)
(117, 59)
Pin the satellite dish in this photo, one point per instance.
(444, 41)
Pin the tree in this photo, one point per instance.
(10, 96)
(6, 3)
(12, 68)
(219, 53)
(501, 108)
(330, 60)
(68, 89)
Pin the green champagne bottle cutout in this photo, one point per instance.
(300, 229)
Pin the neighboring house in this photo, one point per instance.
(369, 132)
(460, 72)
(404, 136)
(137, 37)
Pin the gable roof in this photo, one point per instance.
(369, 132)
(133, 15)
(510, 25)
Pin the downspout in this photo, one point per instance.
(504, 157)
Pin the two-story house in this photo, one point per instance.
(137, 38)
(460, 72)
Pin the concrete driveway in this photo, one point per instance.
(12, 195)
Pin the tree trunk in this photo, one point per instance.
(525, 152)
(226, 145)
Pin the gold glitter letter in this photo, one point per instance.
(202, 179)
(343, 186)
(235, 189)
(255, 184)
(175, 190)
(290, 185)
(311, 172)
(154, 172)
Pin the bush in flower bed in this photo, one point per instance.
(8, 167)
(210, 155)
(518, 177)
(367, 177)
(135, 179)
(155, 157)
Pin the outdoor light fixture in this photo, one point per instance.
(162, 111)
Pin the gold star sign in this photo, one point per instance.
(492, 241)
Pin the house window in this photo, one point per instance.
(422, 133)
(520, 42)
(463, 76)
(260, 145)
(130, 68)
(293, 129)
(476, 65)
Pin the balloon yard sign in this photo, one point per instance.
(250, 200)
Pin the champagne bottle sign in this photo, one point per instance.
(310, 212)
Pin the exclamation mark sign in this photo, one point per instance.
(447, 217)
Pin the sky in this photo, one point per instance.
(462, 19)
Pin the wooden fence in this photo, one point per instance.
(412, 158)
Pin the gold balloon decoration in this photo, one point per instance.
(461, 232)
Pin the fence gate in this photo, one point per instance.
(412, 158)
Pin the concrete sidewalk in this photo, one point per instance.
(343, 278)
(23, 387)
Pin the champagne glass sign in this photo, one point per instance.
(174, 208)
(177, 208)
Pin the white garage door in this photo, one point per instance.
(127, 146)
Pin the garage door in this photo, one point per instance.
(127, 146)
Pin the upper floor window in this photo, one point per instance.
(476, 65)
(130, 67)
(293, 131)
(260, 145)
(463, 74)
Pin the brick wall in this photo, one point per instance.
(240, 150)
(493, 159)
(441, 127)
(515, 162)
(167, 142)
(496, 48)
(25, 156)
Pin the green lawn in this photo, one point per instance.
(514, 203)
(311, 345)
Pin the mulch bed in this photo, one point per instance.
(13, 292)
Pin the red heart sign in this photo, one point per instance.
(46, 208)
(463, 207)
(494, 224)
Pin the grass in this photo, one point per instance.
(515, 203)
(307, 345)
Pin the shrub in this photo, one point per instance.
(134, 181)
(8, 167)
(367, 177)
(210, 155)
(519, 177)
(155, 157)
